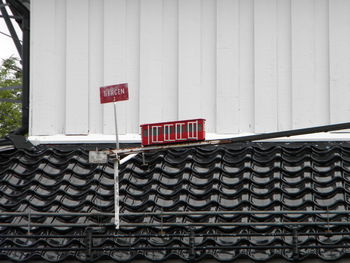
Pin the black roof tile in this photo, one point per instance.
(224, 183)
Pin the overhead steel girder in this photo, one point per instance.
(20, 8)
(11, 28)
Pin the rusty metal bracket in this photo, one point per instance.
(328, 231)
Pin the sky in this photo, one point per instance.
(7, 47)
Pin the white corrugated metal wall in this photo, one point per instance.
(244, 65)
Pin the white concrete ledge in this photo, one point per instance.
(136, 138)
(77, 139)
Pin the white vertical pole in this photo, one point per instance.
(116, 126)
(116, 173)
(116, 192)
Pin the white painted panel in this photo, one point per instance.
(246, 66)
(227, 97)
(302, 63)
(339, 60)
(114, 61)
(95, 65)
(309, 58)
(151, 61)
(322, 71)
(77, 89)
(133, 63)
(208, 64)
(189, 59)
(60, 67)
(265, 46)
(47, 67)
(284, 64)
(170, 60)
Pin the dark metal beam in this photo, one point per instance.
(182, 234)
(240, 139)
(7, 35)
(10, 100)
(19, 9)
(10, 88)
(11, 28)
(26, 70)
(175, 248)
(174, 224)
(12, 17)
(183, 213)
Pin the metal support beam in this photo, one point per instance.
(25, 79)
(11, 29)
(182, 234)
(249, 138)
(10, 100)
(12, 17)
(184, 225)
(10, 88)
(186, 213)
(18, 8)
(174, 248)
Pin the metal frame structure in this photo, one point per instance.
(10, 27)
(21, 15)
(29, 214)
(185, 213)
(92, 231)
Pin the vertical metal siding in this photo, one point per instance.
(47, 67)
(339, 28)
(114, 63)
(309, 63)
(77, 67)
(208, 62)
(151, 54)
(265, 65)
(244, 65)
(189, 88)
(133, 64)
(227, 67)
(284, 65)
(95, 109)
(170, 64)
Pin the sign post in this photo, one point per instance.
(116, 126)
(113, 94)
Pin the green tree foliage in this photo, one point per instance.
(10, 113)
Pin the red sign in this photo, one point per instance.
(114, 93)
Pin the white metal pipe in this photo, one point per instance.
(127, 158)
(116, 192)
(116, 172)
(116, 126)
